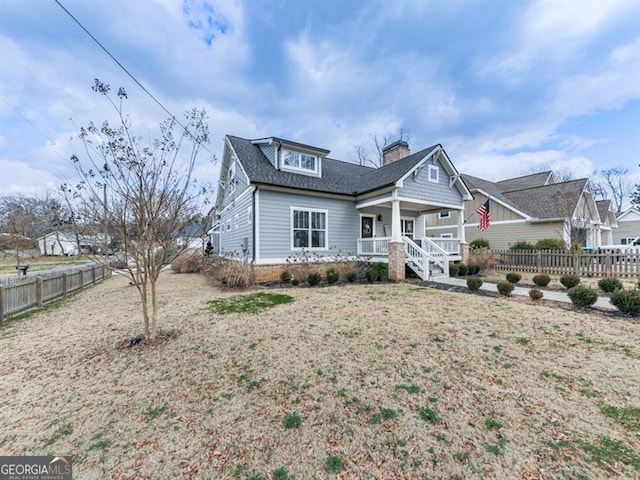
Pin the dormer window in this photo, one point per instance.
(300, 162)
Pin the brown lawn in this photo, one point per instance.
(397, 381)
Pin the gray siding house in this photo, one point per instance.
(279, 199)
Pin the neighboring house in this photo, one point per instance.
(279, 199)
(628, 226)
(60, 243)
(191, 237)
(527, 208)
(608, 222)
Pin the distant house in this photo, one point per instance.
(628, 226)
(279, 199)
(191, 237)
(527, 208)
(58, 243)
(608, 221)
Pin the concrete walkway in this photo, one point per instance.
(555, 296)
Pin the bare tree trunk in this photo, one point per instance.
(154, 310)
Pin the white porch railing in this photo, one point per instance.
(449, 245)
(416, 258)
(438, 255)
(373, 246)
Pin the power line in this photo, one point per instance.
(27, 120)
(130, 74)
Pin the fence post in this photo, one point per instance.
(539, 261)
(1, 304)
(64, 285)
(39, 291)
(81, 278)
(607, 264)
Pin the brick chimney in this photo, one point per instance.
(395, 151)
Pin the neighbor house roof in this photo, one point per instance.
(604, 207)
(338, 177)
(533, 195)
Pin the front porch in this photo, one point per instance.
(379, 246)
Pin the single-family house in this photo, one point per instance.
(279, 199)
(608, 222)
(191, 237)
(527, 208)
(58, 243)
(628, 226)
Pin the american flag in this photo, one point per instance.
(485, 216)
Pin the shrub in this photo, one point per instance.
(479, 243)
(462, 270)
(609, 285)
(332, 276)
(372, 275)
(627, 301)
(522, 245)
(285, 276)
(314, 279)
(542, 280)
(189, 263)
(208, 249)
(505, 288)
(295, 281)
(473, 269)
(569, 281)
(352, 276)
(536, 294)
(582, 296)
(484, 258)
(381, 269)
(550, 244)
(232, 272)
(474, 283)
(513, 277)
(453, 269)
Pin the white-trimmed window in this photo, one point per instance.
(228, 225)
(444, 214)
(446, 235)
(302, 162)
(231, 177)
(433, 173)
(249, 215)
(309, 229)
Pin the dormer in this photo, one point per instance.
(292, 157)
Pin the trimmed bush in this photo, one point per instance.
(609, 285)
(285, 276)
(542, 280)
(627, 301)
(582, 296)
(372, 275)
(479, 243)
(476, 269)
(462, 270)
(352, 276)
(513, 277)
(295, 282)
(332, 276)
(381, 269)
(474, 283)
(536, 294)
(505, 288)
(569, 281)
(522, 245)
(550, 244)
(314, 279)
(453, 269)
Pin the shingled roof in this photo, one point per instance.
(532, 195)
(604, 206)
(338, 177)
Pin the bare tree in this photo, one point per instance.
(635, 196)
(614, 184)
(373, 156)
(150, 188)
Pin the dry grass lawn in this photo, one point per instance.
(397, 381)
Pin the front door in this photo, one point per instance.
(366, 227)
(406, 225)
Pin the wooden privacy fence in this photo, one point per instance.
(36, 290)
(584, 263)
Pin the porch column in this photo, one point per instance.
(461, 234)
(396, 245)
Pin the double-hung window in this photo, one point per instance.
(308, 229)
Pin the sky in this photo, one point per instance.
(508, 88)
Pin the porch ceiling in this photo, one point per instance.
(405, 205)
